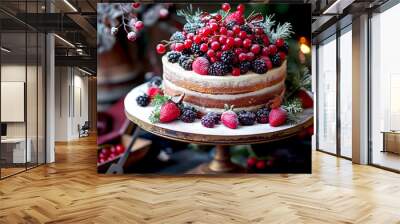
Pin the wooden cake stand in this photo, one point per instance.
(220, 135)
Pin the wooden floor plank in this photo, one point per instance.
(71, 191)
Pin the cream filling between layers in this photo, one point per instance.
(248, 79)
(270, 89)
(221, 110)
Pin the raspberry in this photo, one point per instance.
(200, 65)
(259, 66)
(262, 115)
(227, 57)
(244, 66)
(188, 115)
(173, 56)
(218, 69)
(208, 121)
(143, 100)
(246, 117)
(177, 37)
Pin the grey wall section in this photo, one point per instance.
(360, 90)
(50, 99)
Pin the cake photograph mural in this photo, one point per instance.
(230, 90)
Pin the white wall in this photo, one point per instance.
(71, 93)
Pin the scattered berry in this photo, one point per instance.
(173, 56)
(259, 66)
(229, 118)
(246, 117)
(208, 121)
(251, 162)
(262, 115)
(188, 115)
(143, 100)
(260, 164)
(153, 91)
(200, 65)
(169, 112)
(215, 116)
(305, 98)
(277, 117)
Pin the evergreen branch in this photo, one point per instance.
(190, 15)
(293, 107)
(282, 31)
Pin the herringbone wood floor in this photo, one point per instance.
(70, 191)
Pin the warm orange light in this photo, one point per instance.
(303, 40)
(305, 49)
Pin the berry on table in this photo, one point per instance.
(188, 115)
(251, 162)
(262, 115)
(277, 117)
(173, 56)
(259, 66)
(229, 118)
(143, 100)
(261, 164)
(200, 65)
(246, 117)
(215, 116)
(169, 112)
(160, 48)
(153, 91)
(208, 121)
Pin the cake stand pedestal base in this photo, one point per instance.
(221, 163)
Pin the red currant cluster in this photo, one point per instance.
(110, 153)
(249, 47)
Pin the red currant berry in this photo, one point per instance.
(139, 25)
(179, 47)
(240, 8)
(236, 29)
(246, 43)
(260, 164)
(224, 47)
(207, 31)
(269, 64)
(282, 55)
(215, 45)
(135, 5)
(242, 34)
(218, 17)
(197, 39)
(204, 39)
(242, 57)
(223, 30)
(214, 38)
(266, 40)
(279, 42)
(218, 54)
(160, 48)
(238, 42)
(259, 31)
(212, 21)
(236, 71)
(213, 59)
(214, 27)
(230, 41)
(255, 48)
(211, 53)
(226, 7)
(238, 51)
(230, 33)
(251, 161)
(190, 36)
(250, 56)
(265, 51)
(272, 49)
(204, 47)
(188, 43)
(222, 39)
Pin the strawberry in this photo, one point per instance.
(153, 91)
(277, 117)
(305, 98)
(260, 164)
(200, 66)
(237, 17)
(169, 112)
(251, 161)
(229, 118)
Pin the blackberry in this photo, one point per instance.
(187, 52)
(182, 59)
(173, 56)
(215, 116)
(143, 100)
(188, 116)
(259, 66)
(192, 27)
(276, 60)
(284, 48)
(155, 81)
(177, 37)
(262, 115)
(259, 40)
(244, 66)
(187, 64)
(208, 121)
(227, 57)
(230, 25)
(246, 28)
(196, 49)
(218, 69)
(246, 117)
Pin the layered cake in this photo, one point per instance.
(250, 91)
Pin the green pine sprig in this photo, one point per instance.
(293, 107)
(191, 15)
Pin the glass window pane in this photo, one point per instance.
(346, 94)
(327, 96)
